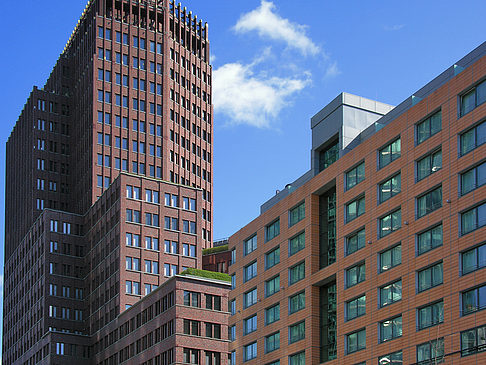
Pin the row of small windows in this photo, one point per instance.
(137, 126)
(122, 100)
(123, 80)
(196, 71)
(124, 38)
(185, 83)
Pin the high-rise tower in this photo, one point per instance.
(109, 176)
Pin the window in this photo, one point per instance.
(428, 127)
(272, 314)
(390, 293)
(297, 302)
(355, 275)
(250, 271)
(297, 273)
(356, 307)
(473, 259)
(429, 277)
(473, 341)
(473, 98)
(390, 223)
(473, 219)
(296, 214)
(355, 176)
(297, 332)
(429, 202)
(355, 209)
(191, 327)
(355, 241)
(272, 258)
(272, 342)
(250, 325)
(272, 230)
(250, 245)
(272, 286)
(429, 164)
(431, 352)
(473, 178)
(430, 315)
(250, 298)
(389, 153)
(473, 138)
(213, 302)
(192, 299)
(474, 300)
(429, 239)
(296, 359)
(296, 243)
(190, 356)
(390, 329)
(389, 188)
(250, 351)
(356, 341)
(390, 258)
(395, 358)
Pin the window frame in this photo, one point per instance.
(253, 239)
(390, 180)
(391, 215)
(430, 267)
(477, 348)
(418, 251)
(430, 206)
(272, 225)
(300, 214)
(479, 264)
(290, 300)
(357, 176)
(432, 321)
(359, 200)
(392, 258)
(381, 302)
(358, 314)
(273, 280)
(475, 186)
(357, 333)
(357, 235)
(394, 336)
(267, 255)
(478, 305)
(385, 146)
(274, 310)
(476, 218)
(300, 247)
(360, 265)
(474, 128)
(430, 157)
(473, 89)
(293, 281)
(428, 119)
(300, 332)
(252, 269)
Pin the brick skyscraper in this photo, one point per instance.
(109, 177)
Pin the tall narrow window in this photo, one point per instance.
(389, 153)
(355, 176)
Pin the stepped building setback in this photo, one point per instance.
(109, 194)
(377, 254)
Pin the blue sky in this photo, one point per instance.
(275, 65)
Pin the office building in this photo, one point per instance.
(108, 178)
(376, 255)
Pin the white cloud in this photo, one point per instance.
(269, 24)
(393, 28)
(332, 70)
(246, 98)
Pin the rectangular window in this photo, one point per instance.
(429, 164)
(250, 298)
(296, 243)
(428, 127)
(356, 341)
(429, 239)
(297, 332)
(473, 178)
(431, 352)
(355, 275)
(272, 230)
(355, 209)
(250, 245)
(272, 314)
(473, 341)
(272, 342)
(429, 277)
(272, 258)
(356, 308)
(473, 138)
(250, 325)
(272, 286)
(296, 359)
(395, 358)
(430, 315)
(355, 176)
(296, 214)
(250, 351)
(389, 153)
(390, 329)
(474, 300)
(473, 98)
(389, 188)
(297, 273)
(473, 219)
(250, 271)
(390, 223)
(297, 302)
(390, 293)
(355, 241)
(473, 259)
(429, 202)
(390, 258)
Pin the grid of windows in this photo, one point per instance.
(355, 241)
(429, 239)
(389, 188)
(355, 176)
(428, 127)
(429, 202)
(389, 153)
(430, 277)
(296, 214)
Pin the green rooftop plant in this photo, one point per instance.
(207, 274)
(208, 251)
